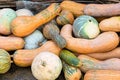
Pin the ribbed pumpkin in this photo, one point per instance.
(5, 61)
(65, 17)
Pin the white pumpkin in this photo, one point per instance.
(46, 66)
(24, 12)
(33, 40)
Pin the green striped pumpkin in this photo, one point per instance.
(86, 27)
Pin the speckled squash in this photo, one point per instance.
(46, 66)
(65, 17)
(70, 58)
(5, 61)
(6, 17)
(70, 72)
(89, 63)
(51, 31)
(86, 27)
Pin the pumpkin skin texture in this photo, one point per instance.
(33, 40)
(85, 27)
(6, 17)
(24, 12)
(65, 17)
(5, 61)
(46, 66)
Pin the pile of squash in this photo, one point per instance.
(80, 39)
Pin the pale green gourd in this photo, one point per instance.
(33, 40)
(24, 12)
(6, 17)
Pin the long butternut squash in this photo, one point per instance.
(24, 25)
(102, 75)
(24, 58)
(11, 43)
(99, 10)
(102, 43)
(115, 53)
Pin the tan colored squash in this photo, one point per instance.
(115, 53)
(100, 10)
(25, 25)
(110, 24)
(102, 75)
(10, 43)
(74, 7)
(104, 42)
(24, 58)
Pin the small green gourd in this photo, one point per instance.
(5, 61)
(70, 72)
(70, 58)
(86, 27)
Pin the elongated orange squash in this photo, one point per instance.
(115, 53)
(110, 24)
(100, 10)
(24, 58)
(102, 43)
(102, 75)
(11, 43)
(24, 25)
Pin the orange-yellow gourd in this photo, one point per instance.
(110, 24)
(102, 75)
(24, 58)
(11, 43)
(24, 25)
